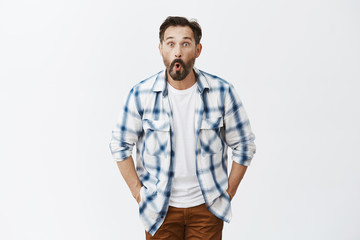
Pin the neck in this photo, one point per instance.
(183, 84)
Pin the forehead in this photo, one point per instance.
(178, 32)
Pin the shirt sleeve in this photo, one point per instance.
(128, 129)
(238, 133)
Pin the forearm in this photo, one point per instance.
(127, 170)
(236, 175)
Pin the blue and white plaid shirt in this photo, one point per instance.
(146, 121)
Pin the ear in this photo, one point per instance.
(198, 50)
(160, 48)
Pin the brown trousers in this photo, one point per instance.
(189, 224)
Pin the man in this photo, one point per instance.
(182, 120)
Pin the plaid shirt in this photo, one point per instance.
(146, 121)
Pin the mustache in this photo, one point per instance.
(180, 61)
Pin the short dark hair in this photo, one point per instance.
(181, 21)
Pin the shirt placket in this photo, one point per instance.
(199, 109)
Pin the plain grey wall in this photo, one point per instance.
(66, 66)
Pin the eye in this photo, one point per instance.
(186, 44)
(171, 44)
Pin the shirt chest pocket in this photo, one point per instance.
(157, 136)
(210, 135)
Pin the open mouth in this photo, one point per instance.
(177, 66)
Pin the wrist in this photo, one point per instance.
(136, 194)
(136, 190)
(231, 193)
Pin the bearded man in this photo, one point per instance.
(182, 121)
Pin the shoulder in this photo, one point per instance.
(145, 85)
(215, 82)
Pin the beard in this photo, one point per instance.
(186, 68)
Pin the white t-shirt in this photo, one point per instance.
(185, 190)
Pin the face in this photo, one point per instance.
(179, 51)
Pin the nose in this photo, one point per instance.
(177, 51)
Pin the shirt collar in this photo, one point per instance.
(160, 84)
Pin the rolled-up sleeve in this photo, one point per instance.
(128, 129)
(238, 134)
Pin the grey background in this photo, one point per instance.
(66, 66)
